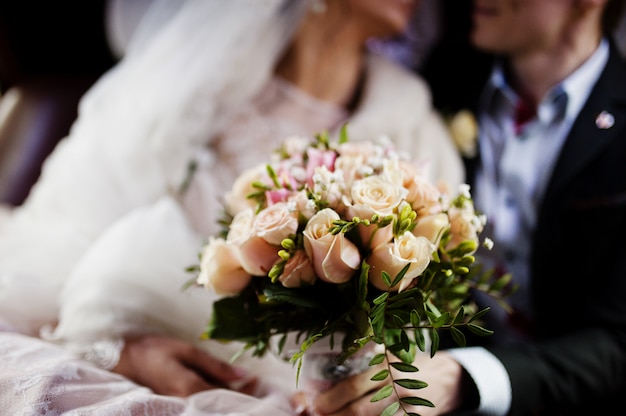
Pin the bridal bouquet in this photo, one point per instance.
(349, 240)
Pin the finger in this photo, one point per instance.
(300, 403)
(347, 391)
(177, 379)
(214, 369)
(249, 387)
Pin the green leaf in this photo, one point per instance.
(405, 294)
(458, 337)
(343, 133)
(434, 339)
(383, 393)
(479, 330)
(438, 321)
(363, 281)
(433, 309)
(381, 299)
(381, 375)
(400, 275)
(420, 339)
(408, 383)
(459, 316)
(417, 401)
(391, 409)
(398, 322)
(386, 278)
(279, 293)
(377, 359)
(404, 340)
(479, 314)
(404, 367)
(501, 282)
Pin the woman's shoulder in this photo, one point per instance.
(388, 77)
(392, 94)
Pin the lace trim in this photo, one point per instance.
(105, 353)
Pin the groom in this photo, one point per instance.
(551, 176)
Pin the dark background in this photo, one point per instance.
(56, 38)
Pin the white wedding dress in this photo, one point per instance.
(99, 249)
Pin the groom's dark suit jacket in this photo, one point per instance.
(577, 364)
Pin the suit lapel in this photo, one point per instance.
(586, 139)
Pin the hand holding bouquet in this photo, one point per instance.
(345, 239)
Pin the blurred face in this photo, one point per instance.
(520, 26)
(382, 18)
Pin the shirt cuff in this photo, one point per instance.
(490, 377)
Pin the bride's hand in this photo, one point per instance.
(352, 395)
(173, 367)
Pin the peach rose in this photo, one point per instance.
(425, 197)
(334, 257)
(298, 271)
(257, 256)
(392, 257)
(220, 269)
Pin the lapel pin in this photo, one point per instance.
(605, 120)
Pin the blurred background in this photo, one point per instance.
(50, 53)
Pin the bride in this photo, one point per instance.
(92, 265)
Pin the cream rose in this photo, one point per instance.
(351, 168)
(392, 257)
(258, 248)
(464, 225)
(334, 257)
(220, 270)
(276, 222)
(432, 227)
(236, 199)
(374, 195)
(241, 227)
